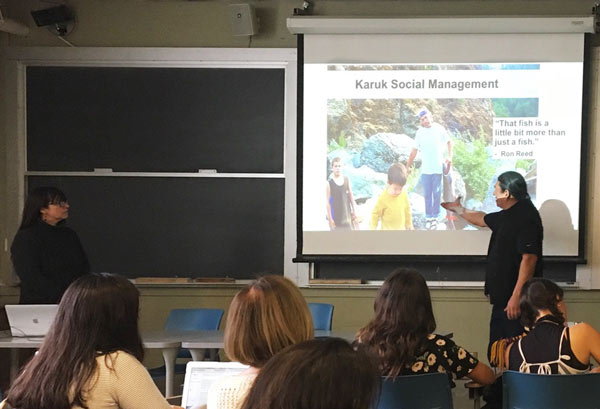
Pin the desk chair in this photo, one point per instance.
(322, 315)
(428, 391)
(193, 319)
(533, 391)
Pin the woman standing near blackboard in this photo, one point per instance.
(47, 255)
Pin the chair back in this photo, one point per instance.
(322, 315)
(428, 391)
(525, 390)
(193, 319)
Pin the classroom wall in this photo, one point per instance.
(465, 312)
(183, 23)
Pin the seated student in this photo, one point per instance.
(393, 208)
(322, 373)
(266, 316)
(402, 334)
(550, 346)
(91, 357)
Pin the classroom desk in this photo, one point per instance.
(198, 341)
(168, 344)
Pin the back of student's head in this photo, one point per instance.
(266, 316)
(98, 314)
(322, 373)
(403, 320)
(397, 174)
(539, 294)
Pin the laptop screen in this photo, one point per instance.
(30, 320)
(199, 376)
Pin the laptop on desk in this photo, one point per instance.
(200, 375)
(30, 320)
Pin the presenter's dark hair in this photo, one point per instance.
(539, 294)
(403, 321)
(40, 198)
(321, 373)
(98, 315)
(514, 183)
(397, 174)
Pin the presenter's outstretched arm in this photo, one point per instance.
(471, 216)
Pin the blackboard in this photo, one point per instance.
(158, 126)
(155, 119)
(188, 227)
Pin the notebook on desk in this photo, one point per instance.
(30, 320)
(200, 375)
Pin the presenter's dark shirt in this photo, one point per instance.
(47, 259)
(515, 231)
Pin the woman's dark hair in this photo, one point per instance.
(98, 315)
(403, 321)
(515, 184)
(40, 198)
(323, 373)
(539, 294)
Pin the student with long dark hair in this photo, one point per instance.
(323, 373)
(91, 357)
(401, 334)
(551, 346)
(47, 256)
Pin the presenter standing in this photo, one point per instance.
(432, 140)
(514, 256)
(47, 256)
(514, 253)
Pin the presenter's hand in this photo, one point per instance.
(455, 206)
(512, 308)
(332, 224)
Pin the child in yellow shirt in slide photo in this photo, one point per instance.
(393, 208)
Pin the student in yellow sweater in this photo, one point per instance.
(393, 208)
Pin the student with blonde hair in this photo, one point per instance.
(265, 317)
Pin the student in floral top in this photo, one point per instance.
(402, 334)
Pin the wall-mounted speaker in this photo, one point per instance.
(243, 19)
(59, 19)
